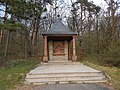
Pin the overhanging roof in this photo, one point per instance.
(58, 28)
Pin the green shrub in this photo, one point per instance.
(111, 55)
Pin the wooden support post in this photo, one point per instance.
(69, 51)
(74, 57)
(45, 57)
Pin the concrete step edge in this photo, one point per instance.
(95, 80)
(99, 72)
(67, 82)
(63, 79)
(64, 76)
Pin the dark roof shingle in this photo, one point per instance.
(59, 28)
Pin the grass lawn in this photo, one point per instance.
(112, 72)
(14, 73)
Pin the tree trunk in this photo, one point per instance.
(113, 21)
(89, 35)
(26, 45)
(7, 44)
(97, 34)
(34, 35)
(3, 27)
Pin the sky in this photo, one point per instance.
(100, 3)
(97, 2)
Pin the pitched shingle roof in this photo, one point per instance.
(59, 28)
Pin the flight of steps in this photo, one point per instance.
(52, 73)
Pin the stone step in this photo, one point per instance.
(75, 79)
(63, 69)
(61, 63)
(69, 82)
(64, 75)
(66, 78)
(64, 72)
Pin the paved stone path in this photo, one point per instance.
(67, 87)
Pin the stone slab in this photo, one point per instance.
(62, 69)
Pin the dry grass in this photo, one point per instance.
(13, 74)
(112, 72)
